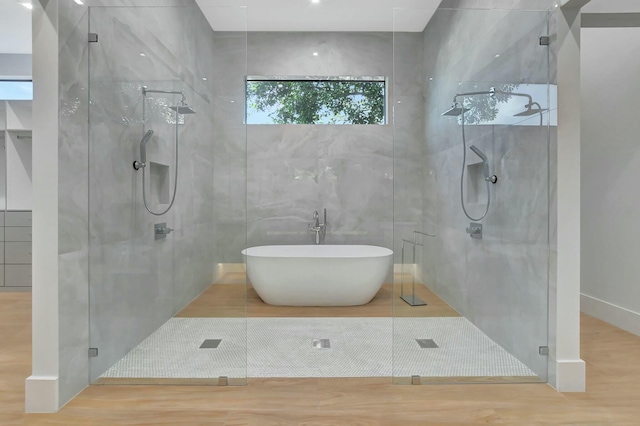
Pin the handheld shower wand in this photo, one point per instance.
(485, 163)
(143, 151)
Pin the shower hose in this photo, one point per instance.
(464, 163)
(175, 181)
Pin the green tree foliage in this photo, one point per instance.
(318, 101)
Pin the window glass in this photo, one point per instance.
(339, 100)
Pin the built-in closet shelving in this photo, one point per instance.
(15, 195)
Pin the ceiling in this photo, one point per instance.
(327, 15)
(15, 27)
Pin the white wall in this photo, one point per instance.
(611, 174)
(612, 6)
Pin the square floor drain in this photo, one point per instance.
(210, 344)
(427, 343)
(321, 343)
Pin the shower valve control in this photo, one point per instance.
(475, 230)
(162, 230)
(493, 179)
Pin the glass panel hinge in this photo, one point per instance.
(93, 37)
(93, 352)
(543, 350)
(545, 40)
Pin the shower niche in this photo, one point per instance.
(159, 185)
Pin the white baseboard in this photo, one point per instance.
(41, 394)
(571, 375)
(616, 315)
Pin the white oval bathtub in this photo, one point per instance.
(317, 275)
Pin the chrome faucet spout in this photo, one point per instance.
(318, 228)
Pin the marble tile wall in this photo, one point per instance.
(501, 282)
(294, 170)
(106, 238)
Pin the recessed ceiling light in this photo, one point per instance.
(430, 78)
(204, 78)
(315, 1)
(79, 1)
(233, 102)
(498, 55)
(27, 4)
(142, 54)
(315, 53)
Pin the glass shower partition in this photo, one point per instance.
(471, 292)
(155, 251)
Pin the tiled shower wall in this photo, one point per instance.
(500, 282)
(294, 170)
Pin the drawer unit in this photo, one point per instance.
(17, 275)
(15, 249)
(17, 233)
(17, 252)
(17, 219)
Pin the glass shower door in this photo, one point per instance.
(475, 305)
(154, 226)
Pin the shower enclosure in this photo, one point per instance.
(169, 298)
(488, 258)
(155, 239)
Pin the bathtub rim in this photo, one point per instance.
(289, 251)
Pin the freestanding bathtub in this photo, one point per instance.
(317, 275)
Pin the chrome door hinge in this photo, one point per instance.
(93, 352)
(93, 37)
(545, 40)
(543, 350)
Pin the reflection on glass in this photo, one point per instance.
(512, 105)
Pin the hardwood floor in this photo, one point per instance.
(613, 377)
(227, 299)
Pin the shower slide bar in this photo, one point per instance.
(412, 300)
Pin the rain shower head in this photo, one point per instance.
(455, 110)
(182, 109)
(529, 111)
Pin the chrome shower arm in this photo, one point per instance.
(461, 95)
(492, 92)
(145, 90)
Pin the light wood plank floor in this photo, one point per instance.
(227, 299)
(613, 374)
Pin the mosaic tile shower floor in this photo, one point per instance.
(283, 347)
